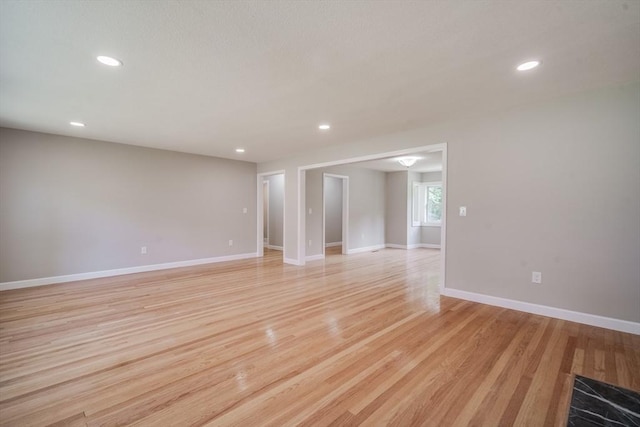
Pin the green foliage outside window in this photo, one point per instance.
(434, 204)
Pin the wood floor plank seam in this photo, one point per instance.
(361, 339)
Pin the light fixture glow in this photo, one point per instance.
(107, 60)
(324, 126)
(239, 150)
(77, 124)
(529, 65)
(407, 162)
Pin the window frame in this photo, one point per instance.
(419, 209)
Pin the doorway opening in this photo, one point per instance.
(367, 221)
(335, 214)
(271, 215)
(265, 212)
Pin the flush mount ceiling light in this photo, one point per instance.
(324, 126)
(107, 60)
(77, 124)
(239, 150)
(529, 65)
(407, 162)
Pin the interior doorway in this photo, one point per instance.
(265, 212)
(384, 162)
(335, 214)
(271, 215)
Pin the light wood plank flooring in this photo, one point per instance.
(352, 340)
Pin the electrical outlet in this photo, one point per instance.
(244, 210)
(143, 250)
(536, 277)
(230, 242)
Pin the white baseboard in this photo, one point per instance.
(291, 261)
(119, 271)
(275, 248)
(394, 246)
(314, 257)
(543, 310)
(332, 244)
(426, 245)
(413, 246)
(365, 249)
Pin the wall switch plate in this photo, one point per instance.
(143, 250)
(230, 242)
(309, 242)
(310, 211)
(244, 210)
(536, 277)
(463, 211)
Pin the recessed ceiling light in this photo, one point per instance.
(239, 150)
(324, 126)
(529, 65)
(107, 60)
(78, 124)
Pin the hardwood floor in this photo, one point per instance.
(352, 340)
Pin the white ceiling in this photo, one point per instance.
(209, 76)
(425, 162)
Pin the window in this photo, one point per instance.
(427, 204)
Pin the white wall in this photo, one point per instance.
(552, 187)
(71, 205)
(276, 209)
(333, 209)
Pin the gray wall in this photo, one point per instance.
(551, 187)
(276, 209)
(431, 177)
(396, 208)
(314, 219)
(70, 205)
(430, 235)
(366, 207)
(333, 209)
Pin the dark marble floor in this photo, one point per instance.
(595, 403)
